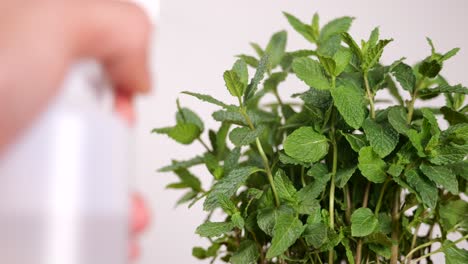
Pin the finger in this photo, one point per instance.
(124, 106)
(118, 34)
(134, 250)
(140, 215)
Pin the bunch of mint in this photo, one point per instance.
(327, 176)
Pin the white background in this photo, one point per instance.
(196, 42)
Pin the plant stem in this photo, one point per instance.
(266, 163)
(395, 227)
(302, 176)
(370, 96)
(414, 96)
(204, 144)
(413, 242)
(332, 184)
(441, 249)
(408, 257)
(348, 204)
(365, 201)
(379, 202)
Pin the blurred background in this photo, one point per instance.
(197, 40)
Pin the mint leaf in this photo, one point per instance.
(425, 189)
(383, 138)
(372, 56)
(363, 222)
(371, 166)
(233, 83)
(356, 141)
(305, 30)
(207, 98)
(343, 175)
(453, 213)
(453, 254)
(246, 254)
(442, 176)
(250, 60)
(444, 89)
(258, 77)
(284, 186)
(397, 118)
(237, 220)
(240, 68)
(334, 27)
(430, 68)
(353, 46)
(311, 72)
(276, 48)
(287, 230)
(342, 58)
(241, 136)
(349, 100)
(228, 186)
(184, 133)
(213, 229)
(260, 52)
(182, 164)
(315, 234)
(226, 204)
(185, 115)
(405, 76)
(306, 145)
(267, 217)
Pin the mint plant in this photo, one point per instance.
(329, 176)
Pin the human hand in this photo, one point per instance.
(40, 39)
(139, 221)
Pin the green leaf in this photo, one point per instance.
(383, 138)
(240, 68)
(315, 234)
(343, 175)
(397, 118)
(453, 117)
(336, 26)
(342, 58)
(453, 254)
(188, 179)
(260, 52)
(316, 98)
(258, 77)
(442, 176)
(232, 160)
(372, 56)
(356, 141)
(250, 60)
(453, 213)
(199, 253)
(305, 30)
(271, 84)
(213, 229)
(405, 76)
(371, 166)
(207, 98)
(352, 45)
(233, 83)
(241, 136)
(311, 72)
(267, 217)
(315, 188)
(182, 164)
(226, 204)
(228, 186)
(349, 252)
(430, 68)
(349, 100)
(363, 222)
(284, 186)
(184, 133)
(246, 254)
(276, 48)
(425, 189)
(185, 115)
(287, 230)
(444, 89)
(238, 220)
(306, 145)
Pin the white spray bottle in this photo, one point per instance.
(64, 192)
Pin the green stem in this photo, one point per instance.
(440, 249)
(302, 177)
(379, 202)
(348, 204)
(204, 144)
(370, 96)
(266, 163)
(332, 184)
(413, 242)
(395, 228)
(408, 257)
(365, 201)
(414, 96)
